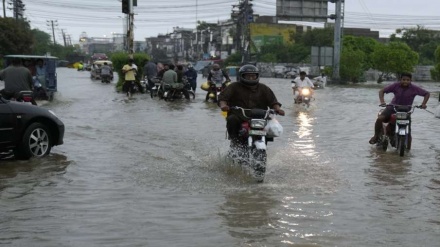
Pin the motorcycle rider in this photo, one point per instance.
(150, 71)
(106, 72)
(191, 75)
(215, 77)
(300, 82)
(246, 93)
(170, 77)
(404, 93)
(17, 78)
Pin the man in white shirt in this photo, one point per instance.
(300, 82)
(321, 80)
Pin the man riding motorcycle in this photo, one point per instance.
(301, 82)
(246, 93)
(215, 77)
(404, 93)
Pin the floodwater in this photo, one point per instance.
(145, 172)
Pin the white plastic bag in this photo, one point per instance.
(273, 128)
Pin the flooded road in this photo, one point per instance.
(145, 172)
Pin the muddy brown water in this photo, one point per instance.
(144, 172)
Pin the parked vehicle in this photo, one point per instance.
(28, 130)
(95, 71)
(279, 71)
(397, 132)
(48, 82)
(254, 137)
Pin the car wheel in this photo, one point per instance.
(36, 141)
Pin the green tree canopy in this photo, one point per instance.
(316, 37)
(363, 44)
(42, 42)
(395, 57)
(284, 53)
(421, 40)
(16, 37)
(351, 64)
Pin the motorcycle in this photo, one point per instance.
(172, 93)
(215, 90)
(105, 78)
(397, 132)
(22, 96)
(253, 138)
(304, 96)
(157, 89)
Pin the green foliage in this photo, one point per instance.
(233, 59)
(284, 53)
(363, 44)
(15, 37)
(421, 40)
(120, 59)
(42, 42)
(435, 72)
(395, 57)
(316, 37)
(352, 63)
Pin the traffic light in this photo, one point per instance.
(125, 7)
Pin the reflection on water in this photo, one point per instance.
(248, 214)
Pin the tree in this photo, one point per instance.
(363, 44)
(233, 59)
(42, 42)
(395, 57)
(316, 37)
(16, 37)
(435, 72)
(284, 53)
(421, 40)
(352, 64)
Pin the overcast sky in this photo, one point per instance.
(101, 18)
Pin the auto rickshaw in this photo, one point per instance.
(95, 72)
(45, 85)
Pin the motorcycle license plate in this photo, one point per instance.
(402, 121)
(257, 132)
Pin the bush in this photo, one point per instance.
(120, 59)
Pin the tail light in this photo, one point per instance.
(27, 98)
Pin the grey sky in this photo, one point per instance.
(102, 17)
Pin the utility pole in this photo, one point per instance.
(64, 37)
(127, 8)
(337, 39)
(52, 24)
(4, 8)
(244, 20)
(17, 9)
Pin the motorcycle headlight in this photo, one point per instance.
(258, 123)
(305, 91)
(401, 115)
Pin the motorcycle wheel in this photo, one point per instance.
(401, 145)
(258, 164)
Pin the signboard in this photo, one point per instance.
(322, 56)
(268, 33)
(302, 10)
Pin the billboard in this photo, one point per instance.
(302, 10)
(268, 33)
